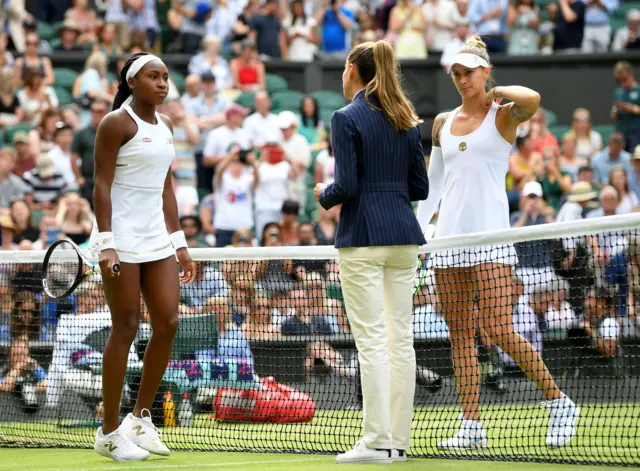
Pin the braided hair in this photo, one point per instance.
(124, 91)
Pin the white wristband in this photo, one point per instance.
(105, 241)
(178, 240)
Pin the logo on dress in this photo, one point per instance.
(146, 139)
(462, 147)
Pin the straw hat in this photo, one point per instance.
(581, 192)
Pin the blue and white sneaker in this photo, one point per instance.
(471, 436)
(563, 419)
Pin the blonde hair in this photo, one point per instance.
(378, 69)
(622, 66)
(476, 46)
(99, 62)
(6, 80)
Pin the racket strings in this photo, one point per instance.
(60, 273)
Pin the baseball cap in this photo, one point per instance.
(532, 188)
(45, 166)
(207, 76)
(633, 15)
(236, 109)
(286, 119)
(20, 137)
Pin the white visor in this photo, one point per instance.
(470, 61)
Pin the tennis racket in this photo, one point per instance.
(64, 268)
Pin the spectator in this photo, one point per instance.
(524, 21)
(634, 177)
(49, 230)
(298, 153)
(143, 17)
(86, 20)
(75, 219)
(307, 320)
(441, 17)
(274, 174)
(23, 227)
(236, 178)
(267, 32)
(609, 158)
(325, 165)
(327, 225)
(407, 28)
(82, 149)
(191, 91)
(11, 186)
(289, 222)
(30, 26)
(569, 26)
(628, 37)
(238, 272)
(116, 15)
(274, 276)
(44, 185)
(187, 197)
(262, 125)
(71, 116)
(608, 242)
(307, 237)
(208, 283)
(185, 138)
(206, 211)
(311, 126)
(61, 154)
(24, 161)
(555, 181)
(247, 70)
(259, 325)
(588, 140)
(233, 346)
(337, 23)
(459, 36)
(540, 133)
(221, 21)
(627, 200)
(209, 60)
(6, 58)
(533, 209)
(242, 27)
(367, 29)
(626, 107)
(489, 18)
(69, 33)
(10, 111)
(569, 161)
(600, 327)
(107, 43)
(523, 165)
(32, 60)
(92, 85)
(560, 314)
(192, 227)
(189, 17)
(586, 174)
(597, 30)
(577, 202)
(36, 97)
(301, 33)
(220, 141)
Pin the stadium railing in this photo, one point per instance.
(250, 386)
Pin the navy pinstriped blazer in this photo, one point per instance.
(378, 173)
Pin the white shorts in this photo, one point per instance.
(139, 249)
(504, 254)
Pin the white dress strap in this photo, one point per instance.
(133, 115)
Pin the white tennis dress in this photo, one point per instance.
(471, 181)
(137, 216)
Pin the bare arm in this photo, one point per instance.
(49, 78)
(169, 203)
(262, 81)
(566, 11)
(525, 103)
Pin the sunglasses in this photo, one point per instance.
(32, 43)
(189, 226)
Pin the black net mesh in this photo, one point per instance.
(264, 359)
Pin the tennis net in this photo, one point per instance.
(264, 360)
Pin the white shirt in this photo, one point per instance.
(446, 12)
(524, 319)
(469, 175)
(298, 150)
(187, 199)
(234, 202)
(328, 164)
(62, 163)
(273, 186)
(220, 140)
(450, 50)
(301, 49)
(261, 128)
(609, 329)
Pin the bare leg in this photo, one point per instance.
(496, 318)
(123, 297)
(161, 291)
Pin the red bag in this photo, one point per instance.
(275, 403)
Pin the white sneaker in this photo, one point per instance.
(398, 456)
(471, 436)
(118, 447)
(143, 433)
(363, 455)
(563, 418)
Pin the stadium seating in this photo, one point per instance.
(64, 95)
(287, 100)
(329, 100)
(552, 118)
(605, 131)
(246, 99)
(65, 77)
(275, 83)
(10, 131)
(559, 130)
(178, 79)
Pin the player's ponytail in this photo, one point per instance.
(378, 70)
(124, 91)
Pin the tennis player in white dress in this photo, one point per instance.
(137, 226)
(467, 170)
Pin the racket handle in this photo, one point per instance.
(115, 268)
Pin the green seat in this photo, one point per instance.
(552, 118)
(287, 100)
(195, 333)
(12, 130)
(275, 83)
(64, 95)
(621, 11)
(559, 130)
(178, 78)
(325, 117)
(54, 43)
(605, 131)
(47, 31)
(246, 99)
(111, 77)
(65, 77)
(328, 99)
(617, 23)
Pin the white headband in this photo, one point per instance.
(135, 67)
(470, 61)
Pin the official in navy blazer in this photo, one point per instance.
(379, 171)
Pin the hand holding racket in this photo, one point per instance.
(109, 263)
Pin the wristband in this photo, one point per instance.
(105, 241)
(178, 240)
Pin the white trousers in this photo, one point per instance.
(596, 38)
(377, 285)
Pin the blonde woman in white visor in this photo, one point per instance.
(467, 171)
(137, 227)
